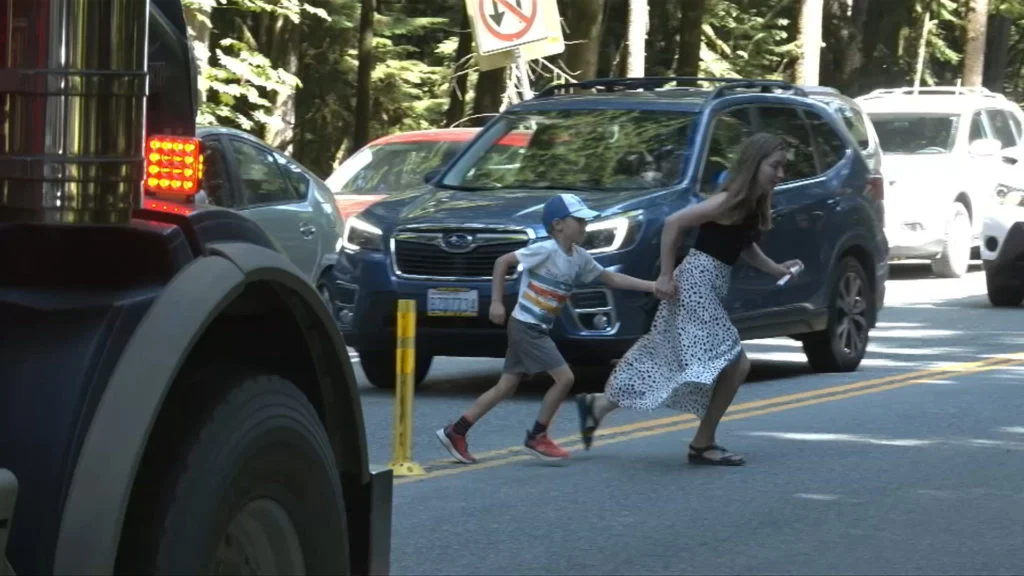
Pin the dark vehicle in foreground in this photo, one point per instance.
(174, 396)
(636, 151)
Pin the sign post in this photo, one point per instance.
(513, 32)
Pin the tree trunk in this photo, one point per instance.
(490, 87)
(997, 51)
(361, 128)
(636, 38)
(457, 88)
(583, 38)
(922, 47)
(690, 22)
(808, 68)
(199, 34)
(974, 52)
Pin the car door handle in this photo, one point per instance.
(307, 230)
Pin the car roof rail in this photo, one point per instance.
(820, 89)
(631, 83)
(934, 91)
(764, 85)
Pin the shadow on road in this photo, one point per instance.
(921, 270)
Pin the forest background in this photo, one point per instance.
(320, 78)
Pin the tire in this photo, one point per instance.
(956, 250)
(1002, 293)
(836, 349)
(253, 487)
(379, 367)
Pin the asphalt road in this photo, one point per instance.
(911, 465)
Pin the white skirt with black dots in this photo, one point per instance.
(675, 365)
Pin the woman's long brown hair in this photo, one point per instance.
(740, 187)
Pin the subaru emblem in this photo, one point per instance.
(457, 242)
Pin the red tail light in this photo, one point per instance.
(877, 184)
(174, 165)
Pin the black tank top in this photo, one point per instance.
(725, 242)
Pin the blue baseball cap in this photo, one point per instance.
(565, 205)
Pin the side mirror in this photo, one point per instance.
(429, 177)
(985, 147)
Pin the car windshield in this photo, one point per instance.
(591, 150)
(915, 133)
(388, 168)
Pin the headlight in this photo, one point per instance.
(361, 235)
(1009, 196)
(614, 233)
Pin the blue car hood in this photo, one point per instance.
(431, 205)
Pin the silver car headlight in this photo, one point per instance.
(613, 233)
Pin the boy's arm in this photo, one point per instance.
(626, 282)
(501, 266)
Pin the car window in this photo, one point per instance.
(261, 175)
(386, 168)
(853, 119)
(295, 176)
(787, 123)
(831, 146)
(1015, 122)
(728, 132)
(978, 131)
(579, 149)
(999, 120)
(916, 133)
(214, 188)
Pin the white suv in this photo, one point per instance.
(1002, 242)
(941, 159)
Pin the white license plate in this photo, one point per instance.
(460, 302)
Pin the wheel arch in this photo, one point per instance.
(965, 199)
(235, 278)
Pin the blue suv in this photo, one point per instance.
(636, 150)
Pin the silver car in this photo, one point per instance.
(288, 201)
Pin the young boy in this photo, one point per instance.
(550, 269)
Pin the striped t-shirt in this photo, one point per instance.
(549, 275)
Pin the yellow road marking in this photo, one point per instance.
(658, 426)
(668, 420)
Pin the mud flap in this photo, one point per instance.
(8, 496)
(369, 525)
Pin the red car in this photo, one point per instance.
(398, 162)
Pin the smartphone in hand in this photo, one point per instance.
(792, 272)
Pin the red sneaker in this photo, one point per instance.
(544, 447)
(455, 445)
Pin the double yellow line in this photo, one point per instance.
(657, 426)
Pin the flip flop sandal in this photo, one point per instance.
(588, 423)
(696, 456)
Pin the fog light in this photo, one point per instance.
(345, 317)
(601, 322)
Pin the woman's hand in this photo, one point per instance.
(789, 267)
(665, 287)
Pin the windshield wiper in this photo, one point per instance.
(550, 187)
(462, 188)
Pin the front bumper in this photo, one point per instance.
(1002, 250)
(598, 323)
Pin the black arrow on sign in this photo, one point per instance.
(497, 16)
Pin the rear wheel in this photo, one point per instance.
(252, 488)
(956, 251)
(841, 345)
(379, 367)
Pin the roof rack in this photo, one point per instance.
(632, 83)
(934, 91)
(764, 85)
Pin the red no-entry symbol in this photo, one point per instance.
(508, 20)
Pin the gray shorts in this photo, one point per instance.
(530, 349)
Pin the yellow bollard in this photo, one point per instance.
(405, 370)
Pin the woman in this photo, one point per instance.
(692, 359)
